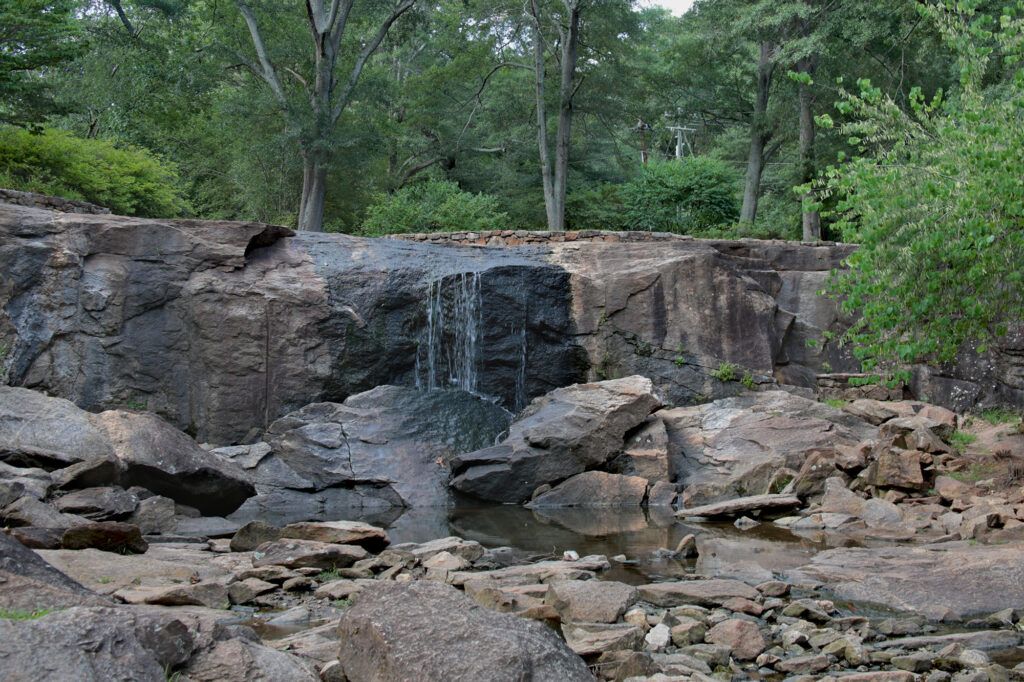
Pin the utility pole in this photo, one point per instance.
(642, 128)
(682, 139)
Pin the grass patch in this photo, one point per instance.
(961, 439)
(341, 603)
(19, 614)
(974, 473)
(834, 402)
(105, 580)
(999, 415)
(328, 576)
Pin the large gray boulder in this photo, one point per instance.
(734, 447)
(389, 436)
(134, 448)
(563, 433)
(433, 632)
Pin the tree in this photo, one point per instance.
(934, 199)
(326, 96)
(35, 37)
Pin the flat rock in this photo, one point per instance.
(594, 489)
(31, 584)
(307, 554)
(99, 504)
(942, 581)
(565, 432)
(741, 505)
(432, 632)
(369, 537)
(591, 601)
(28, 511)
(211, 594)
(591, 639)
(583, 568)
(711, 592)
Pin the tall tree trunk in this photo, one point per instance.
(811, 219)
(759, 134)
(567, 89)
(555, 177)
(314, 193)
(542, 118)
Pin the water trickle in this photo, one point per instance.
(447, 352)
(520, 396)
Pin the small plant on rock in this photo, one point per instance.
(726, 371)
(328, 576)
(999, 415)
(834, 402)
(748, 381)
(961, 439)
(20, 614)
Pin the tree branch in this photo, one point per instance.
(364, 55)
(267, 71)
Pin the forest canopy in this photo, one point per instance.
(895, 124)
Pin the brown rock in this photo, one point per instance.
(591, 601)
(595, 489)
(369, 537)
(742, 637)
(711, 592)
(108, 536)
(306, 553)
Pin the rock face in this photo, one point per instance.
(563, 433)
(734, 447)
(429, 631)
(117, 447)
(950, 580)
(30, 583)
(238, 324)
(390, 436)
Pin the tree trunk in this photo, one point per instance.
(314, 194)
(542, 118)
(811, 219)
(567, 89)
(759, 135)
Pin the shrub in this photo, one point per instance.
(693, 195)
(127, 180)
(726, 371)
(596, 208)
(433, 206)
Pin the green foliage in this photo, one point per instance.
(726, 371)
(748, 381)
(328, 576)
(129, 181)
(834, 402)
(596, 208)
(20, 614)
(961, 439)
(433, 206)
(935, 200)
(999, 415)
(975, 472)
(341, 603)
(687, 197)
(35, 37)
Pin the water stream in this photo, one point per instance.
(448, 353)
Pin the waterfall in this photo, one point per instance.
(520, 397)
(447, 353)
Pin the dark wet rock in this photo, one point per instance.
(30, 583)
(395, 631)
(595, 489)
(146, 451)
(306, 553)
(37, 538)
(734, 447)
(106, 536)
(99, 504)
(942, 581)
(563, 433)
(92, 644)
(390, 435)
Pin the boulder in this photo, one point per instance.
(711, 592)
(243, 660)
(734, 447)
(28, 511)
(31, 481)
(307, 554)
(428, 631)
(128, 447)
(37, 538)
(645, 453)
(896, 468)
(369, 537)
(93, 643)
(209, 593)
(99, 504)
(394, 436)
(563, 433)
(590, 601)
(942, 581)
(740, 506)
(252, 535)
(155, 515)
(106, 536)
(31, 584)
(743, 638)
(595, 489)
(590, 639)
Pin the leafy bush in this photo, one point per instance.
(127, 180)
(690, 196)
(596, 208)
(936, 202)
(433, 206)
(727, 371)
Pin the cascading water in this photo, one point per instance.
(447, 352)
